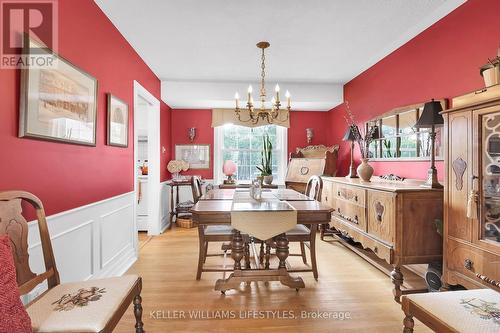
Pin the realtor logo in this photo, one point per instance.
(22, 21)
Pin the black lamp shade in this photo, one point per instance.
(350, 133)
(376, 132)
(430, 115)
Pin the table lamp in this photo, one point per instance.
(430, 118)
(229, 169)
(350, 136)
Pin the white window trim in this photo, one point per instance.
(281, 139)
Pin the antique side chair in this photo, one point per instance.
(207, 234)
(306, 235)
(89, 306)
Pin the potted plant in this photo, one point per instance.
(266, 170)
(491, 71)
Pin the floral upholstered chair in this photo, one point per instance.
(90, 306)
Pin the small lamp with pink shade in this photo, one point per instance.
(229, 169)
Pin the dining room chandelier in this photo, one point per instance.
(271, 114)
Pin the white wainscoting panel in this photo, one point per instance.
(93, 241)
(164, 206)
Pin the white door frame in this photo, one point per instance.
(153, 130)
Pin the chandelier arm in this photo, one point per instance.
(245, 121)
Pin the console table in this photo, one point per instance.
(394, 219)
(174, 184)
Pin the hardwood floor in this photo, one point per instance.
(346, 284)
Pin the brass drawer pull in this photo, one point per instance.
(468, 264)
(488, 280)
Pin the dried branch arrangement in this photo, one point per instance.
(363, 139)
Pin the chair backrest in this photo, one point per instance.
(13, 224)
(314, 188)
(196, 188)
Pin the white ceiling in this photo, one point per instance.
(195, 44)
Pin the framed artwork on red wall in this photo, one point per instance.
(59, 102)
(117, 122)
(198, 156)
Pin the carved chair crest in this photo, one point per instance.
(13, 224)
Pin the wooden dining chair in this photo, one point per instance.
(196, 188)
(208, 234)
(89, 306)
(306, 235)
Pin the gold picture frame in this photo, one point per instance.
(57, 103)
(198, 156)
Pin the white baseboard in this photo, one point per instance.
(92, 241)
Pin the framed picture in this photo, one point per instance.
(57, 103)
(198, 156)
(117, 122)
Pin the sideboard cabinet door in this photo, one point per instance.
(381, 219)
(460, 173)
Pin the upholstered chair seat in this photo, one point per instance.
(299, 229)
(81, 306)
(214, 230)
(186, 204)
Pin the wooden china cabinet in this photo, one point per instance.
(472, 192)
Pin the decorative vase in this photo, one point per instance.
(268, 180)
(365, 170)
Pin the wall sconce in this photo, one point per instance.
(309, 135)
(191, 133)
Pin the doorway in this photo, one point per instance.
(146, 162)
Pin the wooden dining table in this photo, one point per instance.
(214, 208)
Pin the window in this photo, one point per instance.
(243, 145)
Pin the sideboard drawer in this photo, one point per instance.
(350, 193)
(380, 249)
(351, 213)
(381, 219)
(469, 261)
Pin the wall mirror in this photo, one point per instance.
(400, 140)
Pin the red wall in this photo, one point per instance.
(182, 119)
(299, 121)
(441, 62)
(66, 176)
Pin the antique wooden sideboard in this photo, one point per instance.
(472, 192)
(394, 219)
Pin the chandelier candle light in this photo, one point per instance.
(269, 115)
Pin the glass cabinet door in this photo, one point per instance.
(489, 194)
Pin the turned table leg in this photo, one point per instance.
(268, 255)
(261, 254)
(247, 255)
(282, 250)
(408, 324)
(237, 250)
(397, 280)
